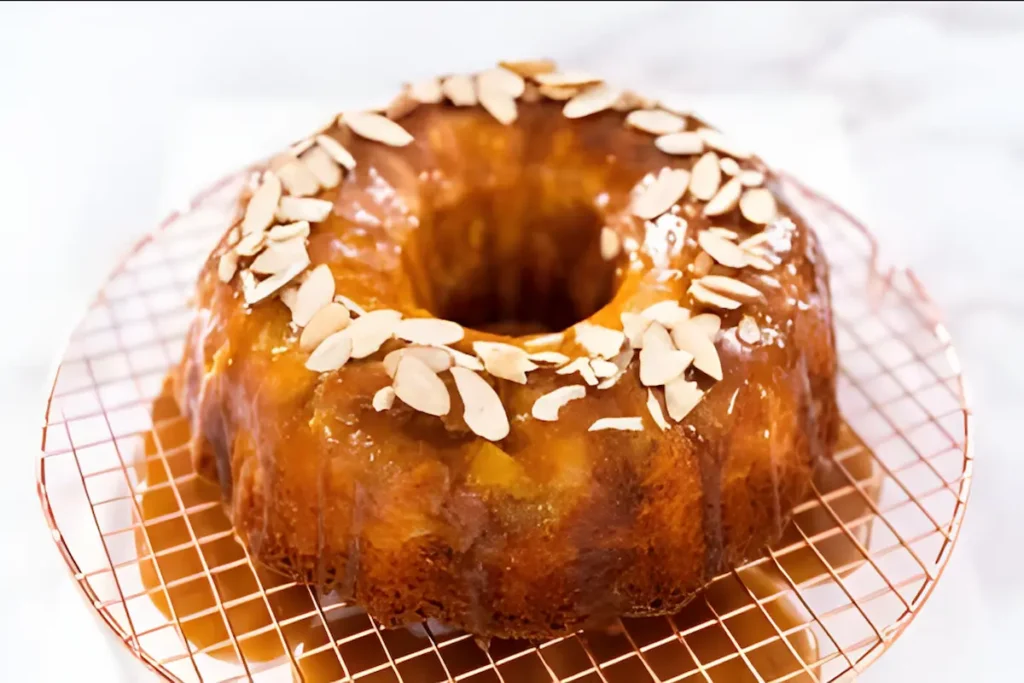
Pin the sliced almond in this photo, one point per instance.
(622, 362)
(654, 408)
(484, 414)
(725, 199)
(283, 233)
(633, 326)
(758, 206)
(542, 340)
(251, 244)
(683, 143)
(728, 234)
(549, 357)
(435, 358)
(715, 140)
(708, 323)
(459, 90)
(377, 128)
(280, 255)
(748, 331)
(288, 295)
(326, 170)
(702, 264)
(429, 331)
(547, 406)
(498, 104)
(352, 306)
(504, 360)
(695, 341)
(332, 353)
(384, 399)
(681, 397)
(722, 250)
(298, 180)
(259, 213)
(330, 319)
(420, 388)
(566, 78)
(731, 287)
(603, 369)
(337, 151)
(611, 245)
(464, 360)
(529, 68)
(427, 91)
(666, 313)
(706, 296)
(401, 106)
(658, 197)
(603, 342)
(501, 80)
(729, 166)
(299, 147)
(752, 178)
(758, 259)
(660, 361)
(227, 265)
(629, 100)
(558, 92)
(370, 331)
(582, 366)
(655, 121)
(315, 293)
(706, 177)
(234, 235)
(622, 424)
(592, 100)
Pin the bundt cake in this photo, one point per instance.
(522, 352)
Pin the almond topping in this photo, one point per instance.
(427, 92)
(483, 413)
(279, 256)
(251, 244)
(706, 178)
(547, 406)
(629, 100)
(299, 147)
(337, 151)
(582, 366)
(384, 399)
(402, 105)
(654, 408)
(603, 369)
(501, 80)
(332, 353)
(435, 358)
(622, 424)
(227, 265)
(655, 121)
(702, 264)
(722, 250)
(708, 323)
(375, 127)
(566, 78)
(320, 163)
(429, 331)
(684, 143)
(370, 331)
(728, 234)
(666, 313)
(529, 68)
(622, 362)
(599, 341)
(731, 287)
(558, 92)
(464, 360)
(705, 296)
(658, 197)
(352, 306)
(633, 326)
(611, 245)
(592, 100)
(315, 293)
(725, 200)
(254, 293)
(504, 360)
(660, 361)
(752, 178)
(261, 208)
(695, 340)
(758, 206)
(298, 180)
(681, 397)
(330, 319)
(553, 357)
(283, 233)
(498, 104)
(459, 90)
(420, 388)
(715, 140)
(729, 166)
(757, 259)
(748, 330)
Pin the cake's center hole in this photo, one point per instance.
(510, 263)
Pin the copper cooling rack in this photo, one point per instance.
(861, 557)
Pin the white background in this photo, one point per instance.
(913, 113)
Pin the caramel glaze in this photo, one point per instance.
(555, 527)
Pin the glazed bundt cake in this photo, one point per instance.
(521, 352)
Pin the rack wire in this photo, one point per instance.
(856, 565)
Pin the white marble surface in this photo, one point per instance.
(91, 100)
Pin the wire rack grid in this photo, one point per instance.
(856, 565)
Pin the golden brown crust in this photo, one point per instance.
(553, 527)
